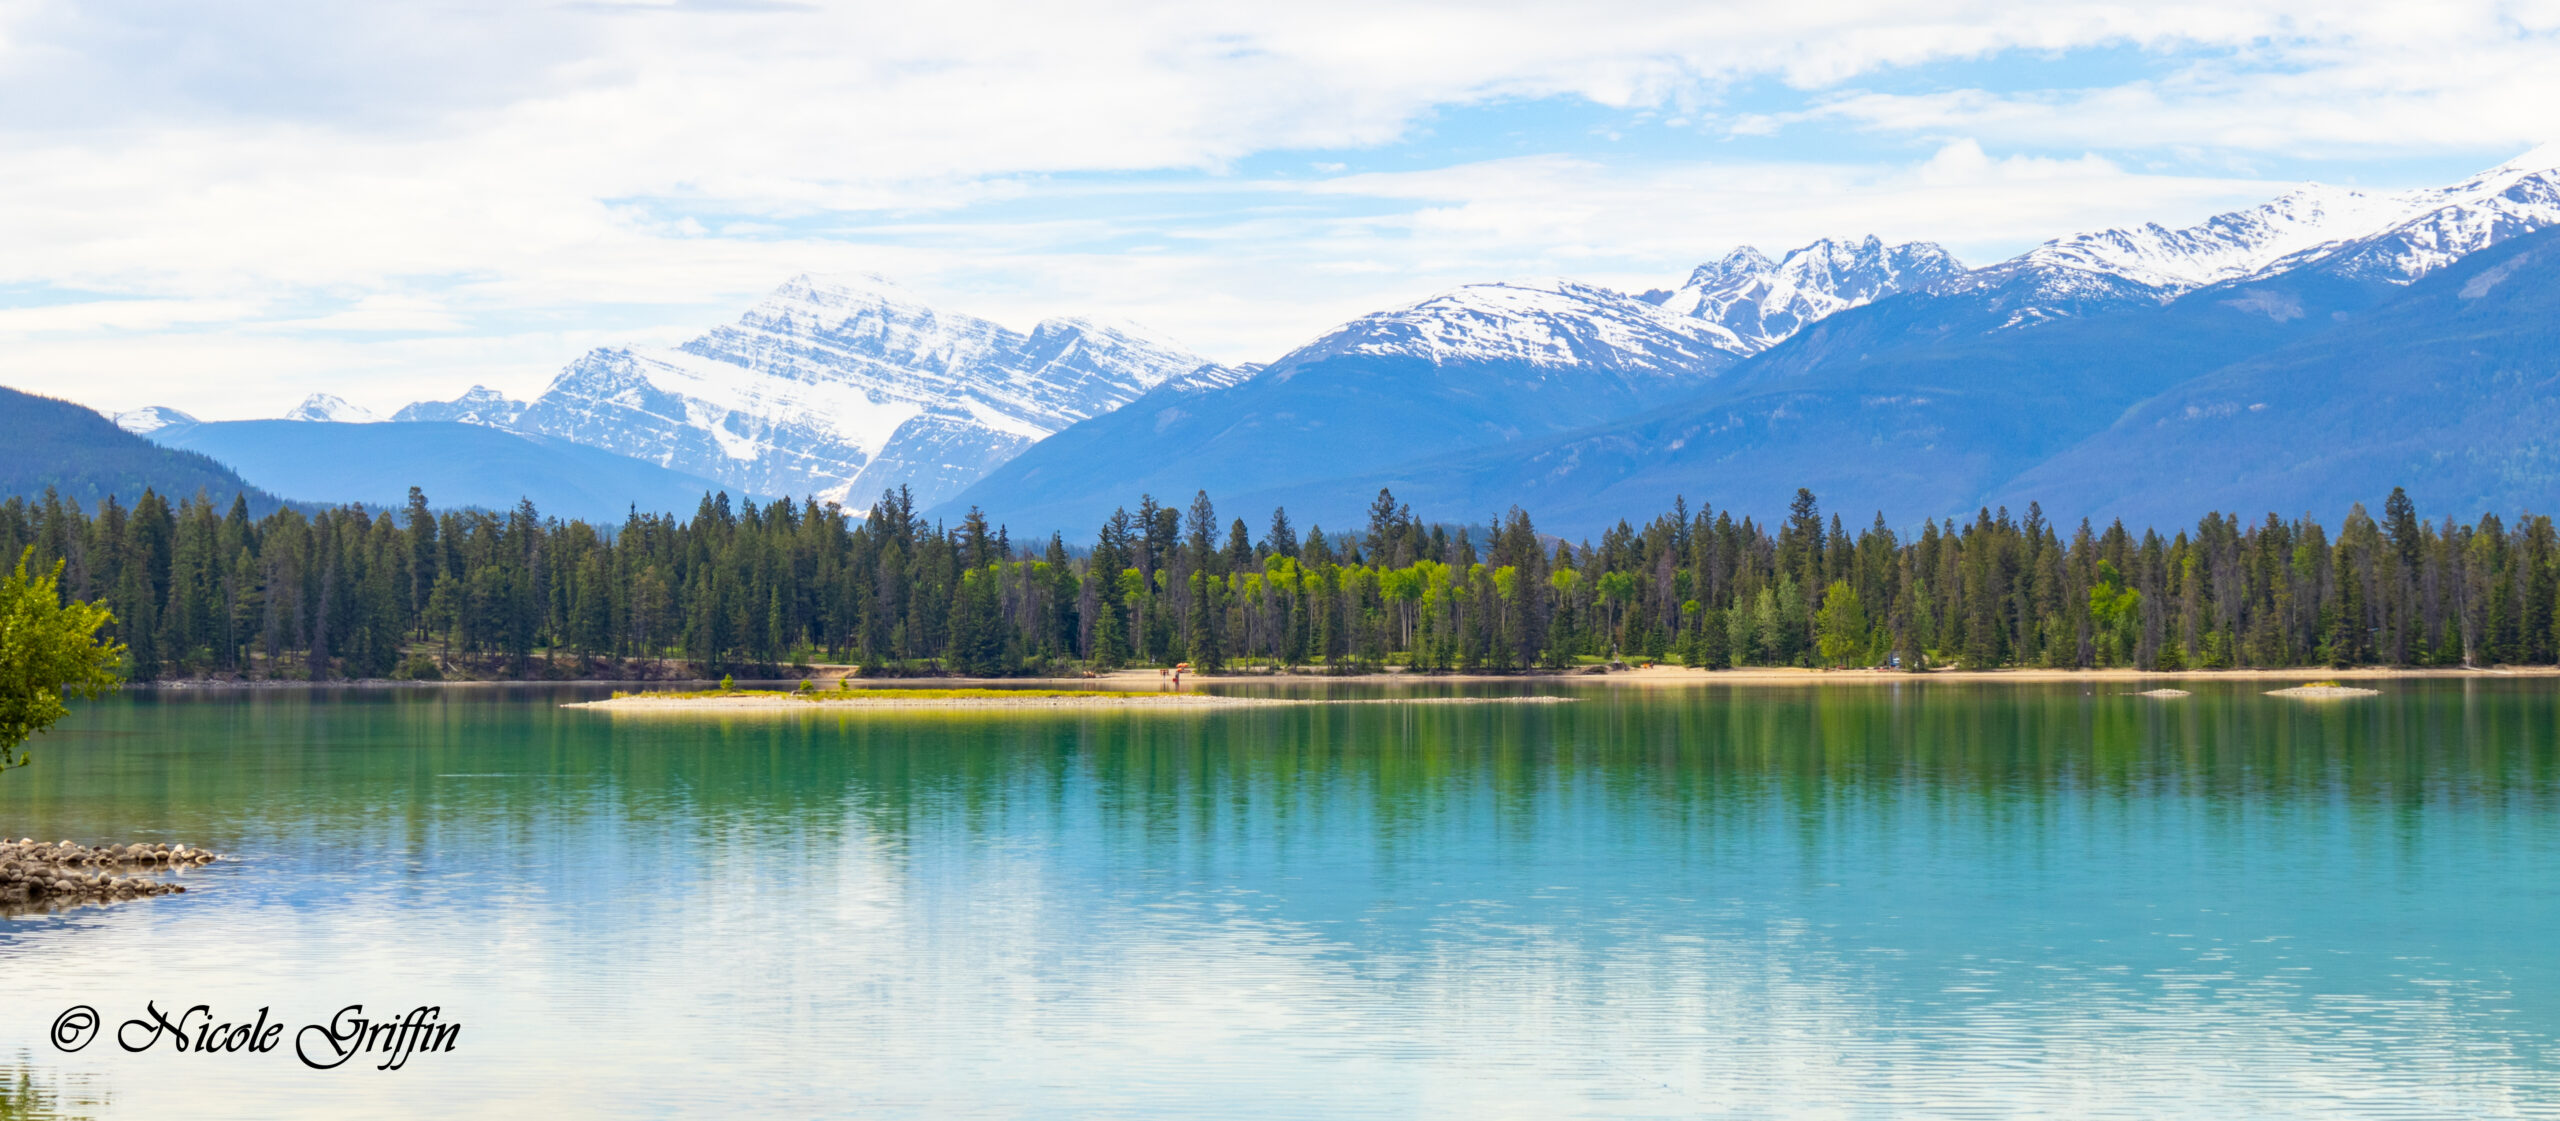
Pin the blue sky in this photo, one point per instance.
(226, 206)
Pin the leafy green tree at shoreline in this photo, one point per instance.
(49, 651)
(1843, 625)
(198, 588)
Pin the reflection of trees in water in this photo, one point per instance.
(392, 771)
(2437, 743)
(32, 1093)
(2009, 741)
(1703, 757)
(1393, 772)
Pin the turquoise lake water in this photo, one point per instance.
(1920, 899)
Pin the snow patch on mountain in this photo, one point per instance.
(1550, 324)
(1211, 377)
(2390, 236)
(2230, 246)
(333, 408)
(481, 405)
(151, 418)
(1764, 302)
(2443, 226)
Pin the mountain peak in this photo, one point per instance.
(1744, 261)
(480, 405)
(1548, 322)
(151, 418)
(1763, 302)
(333, 408)
(2540, 159)
(845, 284)
(830, 299)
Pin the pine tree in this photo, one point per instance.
(1282, 539)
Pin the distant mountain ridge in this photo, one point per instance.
(2298, 392)
(2391, 237)
(838, 388)
(1765, 302)
(1882, 369)
(1549, 323)
(1924, 389)
(2450, 388)
(1479, 366)
(457, 465)
(477, 405)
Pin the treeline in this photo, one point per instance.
(201, 589)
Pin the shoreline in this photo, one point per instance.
(1780, 675)
(1148, 682)
(1113, 700)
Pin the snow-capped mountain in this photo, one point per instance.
(2436, 228)
(1563, 393)
(151, 418)
(1548, 324)
(2394, 237)
(1763, 302)
(333, 408)
(1478, 367)
(840, 388)
(481, 405)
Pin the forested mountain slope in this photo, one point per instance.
(84, 457)
(2452, 389)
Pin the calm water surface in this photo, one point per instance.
(1914, 900)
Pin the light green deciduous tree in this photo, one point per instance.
(49, 653)
(1842, 624)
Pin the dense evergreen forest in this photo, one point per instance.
(199, 589)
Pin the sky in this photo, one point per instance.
(225, 205)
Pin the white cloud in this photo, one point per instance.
(266, 177)
(119, 315)
(1646, 228)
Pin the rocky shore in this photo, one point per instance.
(33, 871)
